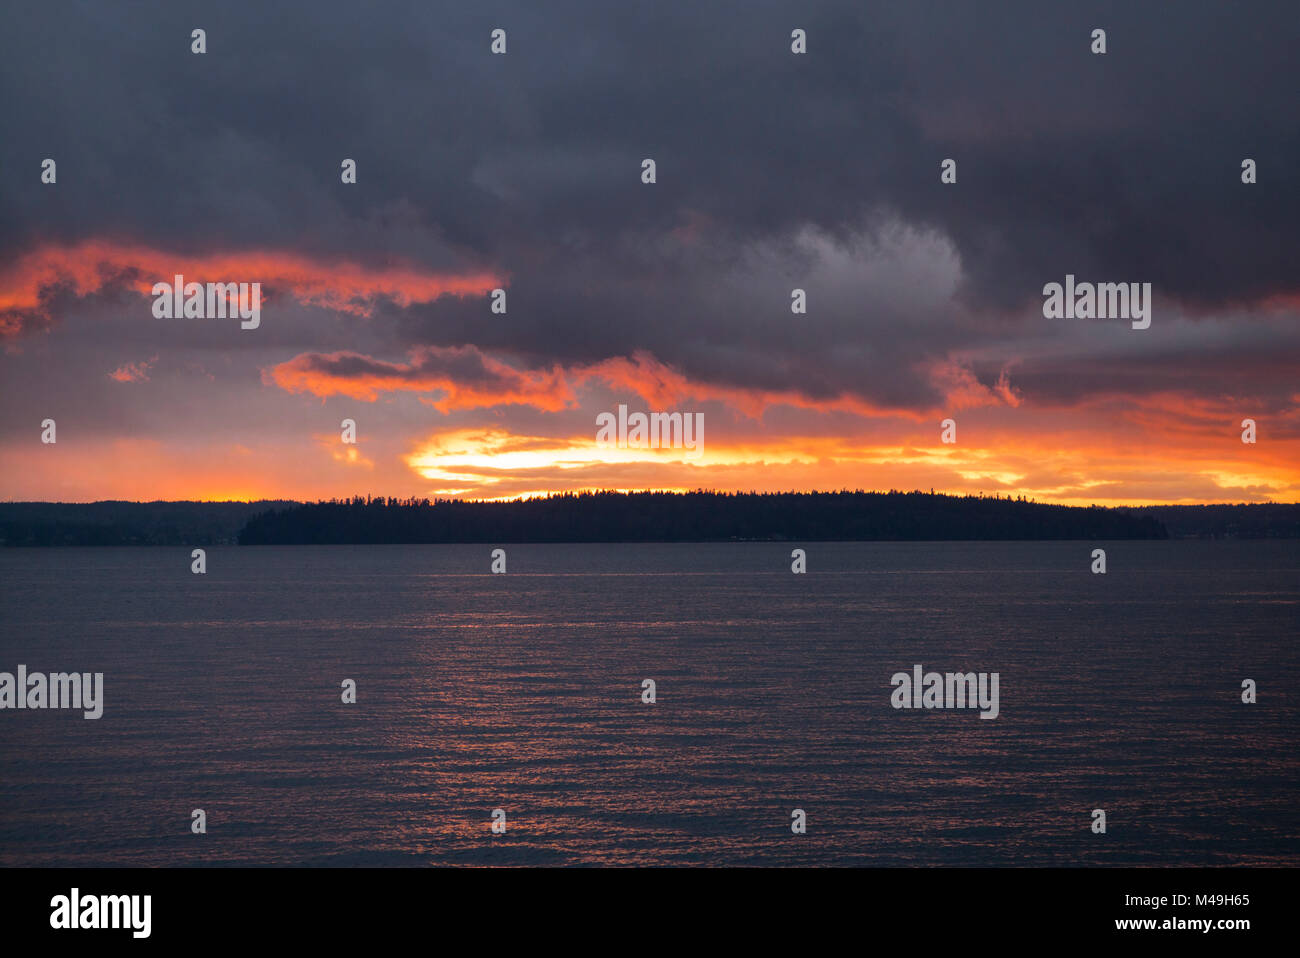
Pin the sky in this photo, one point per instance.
(774, 171)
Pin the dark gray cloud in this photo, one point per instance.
(1116, 167)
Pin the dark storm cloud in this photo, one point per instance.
(1121, 167)
(1213, 362)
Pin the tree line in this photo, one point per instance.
(692, 517)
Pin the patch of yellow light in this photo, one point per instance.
(1006, 478)
(492, 452)
(524, 494)
(227, 495)
(352, 456)
(1228, 479)
(478, 452)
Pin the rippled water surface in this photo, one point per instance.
(523, 691)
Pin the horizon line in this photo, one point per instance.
(629, 492)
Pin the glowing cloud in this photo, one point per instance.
(28, 283)
(467, 378)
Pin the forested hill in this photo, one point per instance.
(1260, 520)
(126, 523)
(693, 517)
(618, 517)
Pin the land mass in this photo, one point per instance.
(627, 517)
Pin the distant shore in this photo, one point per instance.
(628, 517)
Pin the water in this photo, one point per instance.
(522, 692)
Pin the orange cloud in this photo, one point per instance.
(467, 378)
(665, 387)
(962, 390)
(134, 372)
(92, 265)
